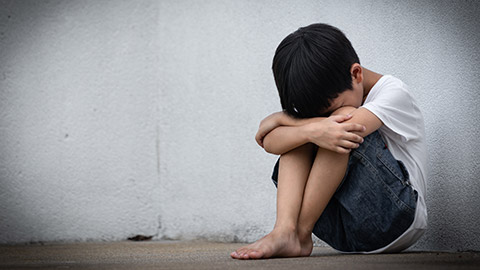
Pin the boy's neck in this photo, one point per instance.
(370, 78)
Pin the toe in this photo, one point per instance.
(254, 254)
(241, 251)
(237, 254)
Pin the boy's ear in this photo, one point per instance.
(357, 73)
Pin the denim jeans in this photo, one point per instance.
(374, 203)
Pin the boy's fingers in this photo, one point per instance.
(354, 127)
(354, 138)
(340, 118)
(349, 145)
(342, 150)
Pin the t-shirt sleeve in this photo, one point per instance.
(395, 108)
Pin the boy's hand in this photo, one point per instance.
(332, 134)
(268, 124)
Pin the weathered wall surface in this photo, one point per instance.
(120, 118)
(78, 118)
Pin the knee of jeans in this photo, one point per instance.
(372, 142)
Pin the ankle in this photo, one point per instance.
(304, 234)
(285, 228)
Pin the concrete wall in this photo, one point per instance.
(123, 118)
(78, 112)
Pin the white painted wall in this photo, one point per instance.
(123, 118)
(78, 120)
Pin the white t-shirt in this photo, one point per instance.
(404, 132)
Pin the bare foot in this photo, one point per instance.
(278, 243)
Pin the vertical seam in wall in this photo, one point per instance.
(157, 123)
(157, 149)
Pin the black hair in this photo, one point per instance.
(311, 67)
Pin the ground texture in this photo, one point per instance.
(207, 255)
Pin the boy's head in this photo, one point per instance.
(311, 67)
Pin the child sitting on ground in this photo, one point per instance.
(352, 164)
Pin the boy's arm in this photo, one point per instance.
(283, 139)
(361, 116)
(280, 133)
(279, 119)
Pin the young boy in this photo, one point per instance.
(352, 164)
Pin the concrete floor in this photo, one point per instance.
(207, 255)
